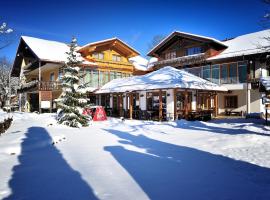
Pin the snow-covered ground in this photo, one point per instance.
(220, 159)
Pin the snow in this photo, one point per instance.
(164, 78)
(114, 159)
(48, 50)
(139, 62)
(142, 64)
(248, 44)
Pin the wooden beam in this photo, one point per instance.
(121, 104)
(160, 105)
(174, 104)
(216, 105)
(130, 105)
(186, 104)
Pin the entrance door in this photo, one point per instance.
(34, 102)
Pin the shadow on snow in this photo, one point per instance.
(168, 171)
(43, 173)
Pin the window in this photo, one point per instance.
(232, 73)
(215, 74)
(99, 56)
(193, 50)
(197, 71)
(223, 74)
(119, 75)
(60, 74)
(87, 77)
(95, 78)
(101, 82)
(206, 72)
(116, 58)
(242, 72)
(231, 102)
(170, 55)
(52, 77)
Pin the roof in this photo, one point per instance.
(108, 41)
(164, 78)
(184, 34)
(47, 50)
(248, 44)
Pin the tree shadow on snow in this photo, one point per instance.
(167, 171)
(43, 173)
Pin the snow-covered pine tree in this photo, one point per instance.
(73, 98)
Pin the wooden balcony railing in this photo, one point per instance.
(39, 86)
(181, 61)
(49, 85)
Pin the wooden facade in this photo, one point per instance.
(42, 78)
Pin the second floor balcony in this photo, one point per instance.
(182, 61)
(35, 86)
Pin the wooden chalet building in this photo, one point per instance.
(39, 64)
(236, 64)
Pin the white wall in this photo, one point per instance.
(255, 101)
(241, 100)
(170, 103)
(124, 101)
(193, 103)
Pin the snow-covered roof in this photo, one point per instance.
(166, 77)
(48, 50)
(142, 64)
(174, 33)
(248, 44)
(139, 62)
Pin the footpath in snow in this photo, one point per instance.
(220, 159)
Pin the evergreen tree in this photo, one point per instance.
(73, 98)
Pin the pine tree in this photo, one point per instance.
(73, 98)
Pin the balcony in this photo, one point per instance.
(181, 61)
(39, 86)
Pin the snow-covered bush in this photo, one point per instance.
(73, 98)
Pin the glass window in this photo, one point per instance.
(206, 72)
(111, 75)
(170, 55)
(101, 81)
(215, 74)
(242, 72)
(231, 102)
(87, 77)
(116, 58)
(51, 76)
(119, 75)
(60, 74)
(193, 50)
(232, 73)
(95, 78)
(99, 56)
(223, 73)
(106, 77)
(197, 71)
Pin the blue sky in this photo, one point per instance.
(135, 22)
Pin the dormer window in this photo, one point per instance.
(99, 56)
(170, 55)
(116, 58)
(193, 50)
